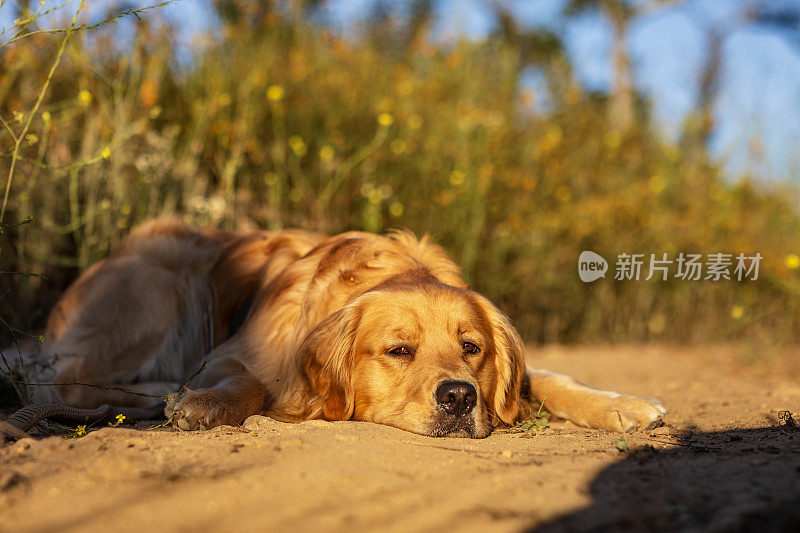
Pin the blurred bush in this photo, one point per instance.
(279, 122)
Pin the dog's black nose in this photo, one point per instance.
(456, 397)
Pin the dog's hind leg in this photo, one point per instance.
(129, 315)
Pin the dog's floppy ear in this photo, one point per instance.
(509, 361)
(326, 364)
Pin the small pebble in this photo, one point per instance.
(317, 423)
(22, 445)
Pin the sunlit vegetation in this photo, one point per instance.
(281, 122)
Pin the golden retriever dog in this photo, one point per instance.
(297, 325)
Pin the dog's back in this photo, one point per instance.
(150, 311)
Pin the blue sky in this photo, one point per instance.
(758, 107)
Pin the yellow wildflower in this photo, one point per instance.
(396, 209)
(120, 418)
(385, 120)
(792, 261)
(298, 145)
(275, 93)
(326, 153)
(737, 312)
(374, 196)
(457, 177)
(551, 139)
(84, 98)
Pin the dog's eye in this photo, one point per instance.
(402, 351)
(470, 347)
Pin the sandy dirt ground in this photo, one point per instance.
(723, 462)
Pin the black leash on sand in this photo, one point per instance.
(25, 418)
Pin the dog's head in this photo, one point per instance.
(424, 357)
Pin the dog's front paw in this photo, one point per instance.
(627, 413)
(200, 409)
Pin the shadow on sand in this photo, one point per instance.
(737, 480)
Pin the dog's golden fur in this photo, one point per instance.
(355, 326)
